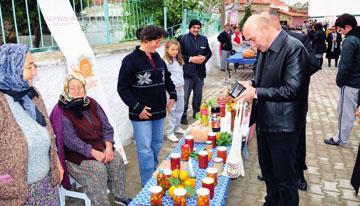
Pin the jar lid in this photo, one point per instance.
(221, 148)
(203, 191)
(203, 153)
(185, 145)
(175, 155)
(180, 192)
(212, 170)
(208, 180)
(211, 134)
(208, 142)
(189, 137)
(155, 189)
(218, 160)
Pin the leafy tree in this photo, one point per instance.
(247, 15)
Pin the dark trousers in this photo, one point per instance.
(336, 62)
(195, 85)
(277, 156)
(300, 165)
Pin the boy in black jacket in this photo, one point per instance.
(142, 85)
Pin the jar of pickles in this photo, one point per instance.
(213, 173)
(185, 152)
(179, 197)
(218, 164)
(203, 197)
(167, 173)
(156, 196)
(209, 149)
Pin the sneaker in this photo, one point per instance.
(122, 201)
(331, 141)
(172, 138)
(179, 131)
(184, 121)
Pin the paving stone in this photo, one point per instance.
(330, 186)
(316, 189)
(349, 195)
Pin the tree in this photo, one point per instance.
(246, 16)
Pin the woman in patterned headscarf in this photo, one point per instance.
(30, 169)
(85, 141)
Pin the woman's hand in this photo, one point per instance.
(170, 104)
(60, 168)
(145, 114)
(99, 156)
(109, 152)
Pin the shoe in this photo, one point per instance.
(179, 131)
(184, 121)
(122, 201)
(260, 177)
(302, 184)
(172, 138)
(331, 141)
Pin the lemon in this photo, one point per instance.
(171, 191)
(184, 175)
(175, 173)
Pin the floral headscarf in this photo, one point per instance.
(66, 101)
(12, 59)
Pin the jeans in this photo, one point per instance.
(224, 55)
(149, 137)
(177, 111)
(195, 85)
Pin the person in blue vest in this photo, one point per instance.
(196, 52)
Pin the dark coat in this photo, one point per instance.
(319, 45)
(355, 178)
(349, 65)
(225, 40)
(281, 81)
(336, 52)
(193, 46)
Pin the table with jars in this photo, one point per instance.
(209, 186)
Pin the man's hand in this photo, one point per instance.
(202, 59)
(109, 152)
(145, 114)
(248, 95)
(170, 104)
(245, 83)
(196, 59)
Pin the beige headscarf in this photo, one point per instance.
(65, 96)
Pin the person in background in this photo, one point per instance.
(225, 46)
(347, 79)
(85, 140)
(142, 85)
(30, 170)
(236, 39)
(174, 62)
(333, 49)
(318, 42)
(196, 52)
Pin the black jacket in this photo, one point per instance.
(349, 65)
(225, 40)
(281, 80)
(336, 51)
(141, 85)
(319, 45)
(193, 46)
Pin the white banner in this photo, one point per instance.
(66, 30)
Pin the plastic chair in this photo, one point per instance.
(79, 195)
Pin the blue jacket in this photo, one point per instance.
(193, 46)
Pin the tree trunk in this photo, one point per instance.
(222, 12)
(36, 42)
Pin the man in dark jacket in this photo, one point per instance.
(226, 46)
(347, 78)
(278, 90)
(196, 52)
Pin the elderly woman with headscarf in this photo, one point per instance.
(86, 141)
(30, 169)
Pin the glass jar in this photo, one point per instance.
(203, 197)
(218, 164)
(213, 173)
(185, 152)
(203, 159)
(175, 161)
(209, 149)
(156, 196)
(180, 197)
(208, 183)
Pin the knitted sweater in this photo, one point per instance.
(14, 155)
(144, 83)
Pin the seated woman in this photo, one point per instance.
(88, 139)
(29, 166)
